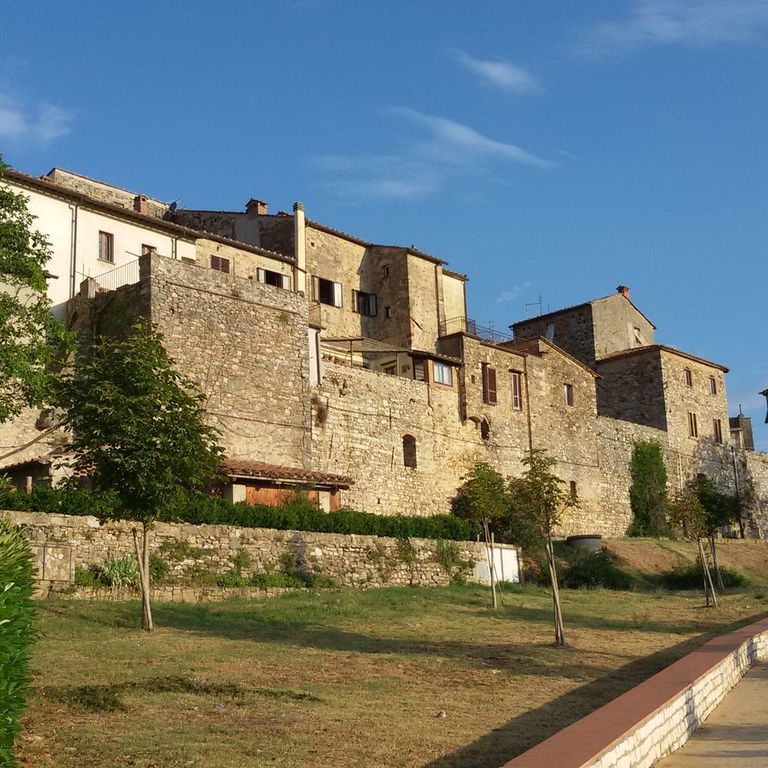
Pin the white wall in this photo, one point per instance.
(59, 219)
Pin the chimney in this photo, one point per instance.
(141, 204)
(300, 246)
(255, 207)
(623, 290)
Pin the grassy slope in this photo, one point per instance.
(392, 677)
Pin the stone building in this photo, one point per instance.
(350, 368)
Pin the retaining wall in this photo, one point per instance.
(658, 716)
(63, 543)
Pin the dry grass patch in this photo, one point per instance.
(395, 677)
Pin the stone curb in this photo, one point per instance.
(657, 717)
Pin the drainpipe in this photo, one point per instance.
(300, 247)
(737, 485)
(73, 253)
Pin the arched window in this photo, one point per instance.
(409, 451)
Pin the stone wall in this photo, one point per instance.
(614, 321)
(245, 345)
(63, 543)
(573, 330)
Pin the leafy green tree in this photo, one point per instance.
(482, 500)
(648, 491)
(138, 429)
(28, 333)
(540, 498)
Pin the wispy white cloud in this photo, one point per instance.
(455, 142)
(680, 22)
(442, 150)
(510, 295)
(501, 74)
(41, 123)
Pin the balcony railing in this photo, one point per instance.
(127, 274)
(473, 328)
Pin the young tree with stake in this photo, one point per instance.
(539, 497)
(138, 430)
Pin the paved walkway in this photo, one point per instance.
(735, 734)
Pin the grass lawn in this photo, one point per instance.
(391, 677)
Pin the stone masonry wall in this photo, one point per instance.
(245, 345)
(573, 331)
(63, 543)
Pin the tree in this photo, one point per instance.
(28, 332)
(688, 516)
(539, 497)
(482, 499)
(138, 429)
(721, 509)
(648, 491)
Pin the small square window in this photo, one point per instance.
(220, 264)
(107, 247)
(569, 396)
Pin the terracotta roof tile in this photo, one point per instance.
(260, 470)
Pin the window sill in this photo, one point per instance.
(105, 261)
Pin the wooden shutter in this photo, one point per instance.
(287, 282)
(261, 275)
(338, 299)
(315, 288)
(355, 301)
(372, 308)
(492, 386)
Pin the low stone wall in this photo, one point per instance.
(162, 593)
(658, 716)
(63, 543)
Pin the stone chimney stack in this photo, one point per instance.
(300, 246)
(623, 290)
(255, 207)
(141, 204)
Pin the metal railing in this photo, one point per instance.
(473, 328)
(127, 274)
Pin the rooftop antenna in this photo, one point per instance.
(539, 304)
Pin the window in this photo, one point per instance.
(387, 311)
(385, 270)
(148, 250)
(638, 336)
(485, 430)
(550, 332)
(327, 292)
(573, 492)
(390, 368)
(688, 377)
(268, 277)
(517, 391)
(106, 247)
(713, 385)
(718, 431)
(489, 384)
(409, 451)
(364, 303)
(419, 370)
(569, 399)
(442, 374)
(220, 264)
(693, 427)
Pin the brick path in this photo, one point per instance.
(735, 734)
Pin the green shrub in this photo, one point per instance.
(159, 569)
(87, 577)
(198, 509)
(277, 579)
(241, 559)
(16, 632)
(448, 556)
(688, 575)
(179, 550)
(119, 572)
(594, 569)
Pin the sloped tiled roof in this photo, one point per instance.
(659, 347)
(259, 470)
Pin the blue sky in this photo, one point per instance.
(551, 148)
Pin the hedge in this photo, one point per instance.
(200, 509)
(16, 630)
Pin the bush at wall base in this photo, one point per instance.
(16, 630)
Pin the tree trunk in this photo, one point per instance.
(559, 628)
(707, 575)
(718, 575)
(489, 558)
(142, 555)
